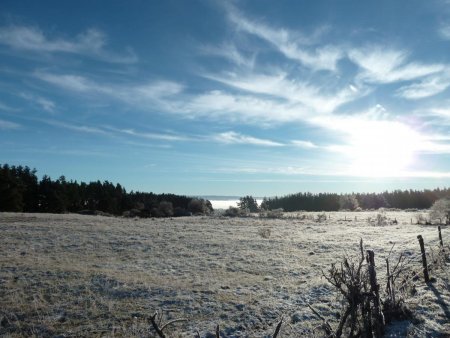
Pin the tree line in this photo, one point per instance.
(22, 191)
(398, 199)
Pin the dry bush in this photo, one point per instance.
(234, 212)
(440, 210)
(364, 312)
(275, 213)
(380, 220)
(321, 217)
(422, 219)
(264, 232)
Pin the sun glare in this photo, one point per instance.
(382, 149)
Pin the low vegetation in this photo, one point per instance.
(79, 275)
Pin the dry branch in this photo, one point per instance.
(278, 328)
(326, 325)
(159, 330)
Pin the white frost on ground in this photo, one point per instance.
(209, 270)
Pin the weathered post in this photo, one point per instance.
(424, 259)
(375, 290)
(440, 238)
(390, 283)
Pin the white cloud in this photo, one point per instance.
(231, 53)
(158, 91)
(7, 125)
(304, 144)
(286, 170)
(444, 31)
(381, 65)
(232, 137)
(75, 127)
(441, 112)
(153, 136)
(240, 108)
(45, 103)
(90, 43)
(112, 131)
(69, 82)
(6, 107)
(429, 86)
(291, 44)
(295, 92)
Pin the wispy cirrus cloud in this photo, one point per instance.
(229, 137)
(44, 103)
(8, 125)
(436, 117)
(142, 93)
(69, 82)
(444, 30)
(152, 136)
(230, 52)
(232, 137)
(113, 131)
(90, 43)
(220, 105)
(6, 107)
(293, 45)
(75, 127)
(169, 96)
(382, 65)
(278, 85)
(427, 87)
(304, 144)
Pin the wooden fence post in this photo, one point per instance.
(390, 283)
(424, 259)
(440, 237)
(375, 290)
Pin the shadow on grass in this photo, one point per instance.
(440, 301)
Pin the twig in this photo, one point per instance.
(277, 330)
(159, 330)
(327, 326)
(156, 327)
(173, 321)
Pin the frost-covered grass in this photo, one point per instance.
(98, 276)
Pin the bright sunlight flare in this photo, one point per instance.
(382, 149)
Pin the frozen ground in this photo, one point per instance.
(73, 275)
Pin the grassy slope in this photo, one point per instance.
(95, 276)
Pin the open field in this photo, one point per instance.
(72, 275)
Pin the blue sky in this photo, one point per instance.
(229, 97)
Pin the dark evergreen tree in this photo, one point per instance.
(248, 203)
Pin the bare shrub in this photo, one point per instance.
(199, 206)
(165, 209)
(440, 210)
(264, 232)
(364, 312)
(180, 212)
(348, 202)
(234, 212)
(421, 218)
(321, 217)
(380, 220)
(275, 213)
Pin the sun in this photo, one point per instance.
(382, 149)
